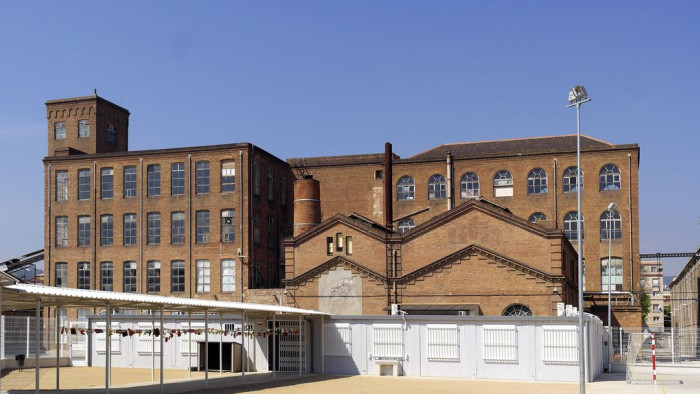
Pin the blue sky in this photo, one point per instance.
(304, 78)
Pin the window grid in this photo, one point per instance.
(610, 177)
(270, 231)
(538, 217)
(106, 276)
(406, 224)
(228, 275)
(177, 276)
(283, 190)
(130, 229)
(153, 219)
(256, 228)
(153, 276)
(130, 181)
(59, 130)
(228, 176)
(111, 134)
(469, 185)
(177, 228)
(569, 180)
(83, 128)
(83, 184)
(153, 175)
(84, 275)
(61, 275)
(256, 178)
(106, 183)
(61, 185)
(61, 231)
(106, 230)
(270, 185)
(610, 225)
(202, 177)
(537, 181)
(500, 343)
(405, 188)
(129, 277)
(503, 184)
(571, 226)
(337, 339)
(228, 225)
(443, 342)
(387, 341)
(437, 187)
(203, 276)
(177, 179)
(560, 345)
(615, 274)
(202, 227)
(83, 230)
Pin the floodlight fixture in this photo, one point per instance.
(577, 93)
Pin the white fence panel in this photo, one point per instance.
(560, 344)
(101, 338)
(148, 341)
(337, 339)
(388, 341)
(443, 342)
(500, 343)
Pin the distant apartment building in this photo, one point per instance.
(653, 278)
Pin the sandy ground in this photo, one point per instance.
(89, 380)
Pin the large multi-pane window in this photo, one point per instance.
(59, 130)
(177, 276)
(256, 228)
(270, 231)
(469, 185)
(153, 228)
(256, 178)
(283, 190)
(83, 128)
(130, 181)
(129, 277)
(537, 181)
(177, 228)
(405, 188)
(84, 275)
(609, 177)
(615, 274)
(106, 230)
(61, 185)
(437, 187)
(130, 229)
(569, 180)
(177, 179)
(610, 225)
(503, 184)
(62, 231)
(153, 276)
(153, 174)
(228, 275)
(202, 227)
(228, 176)
(106, 276)
(83, 184)
(111, 134)
(202, 177)
(405, 224)
(228, 225)
(270, 185)
(83, 230)
(106, 183)
(203, 276)
(538, 217)
(571, 226)
(61, 275)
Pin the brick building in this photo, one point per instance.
(176, 222)
(534, 178)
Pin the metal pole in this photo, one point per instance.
(299, 345)
(243, 348)
(609, 287)
(221, 345)
(274, 346)
(673, 348)
(189, 345)
(153, 347)
(581, 351)
(206, 348)
(162, 333)
(323, 348)
(58, 351)
(108, 347)
(37, 338)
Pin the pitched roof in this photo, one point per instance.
(369, 158)
(512, 147)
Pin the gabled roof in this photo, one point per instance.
(369, 158)
(515, 147)
(354, 220)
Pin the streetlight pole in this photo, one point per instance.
(611, 209)
(578, 96)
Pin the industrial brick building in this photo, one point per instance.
(487, 218)
(202, 222)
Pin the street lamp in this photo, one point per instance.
(612, 208)
(578, 96)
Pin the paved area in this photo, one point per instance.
(138, 381)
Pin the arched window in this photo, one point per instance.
(571, 226)
(569, 180)
(437, 187)
(610, 225)
(406, 224)
(538, 217)
(537, 181)
(517, 310)
(503, 184)
(405, 188)
(609, 177)
(469, 185)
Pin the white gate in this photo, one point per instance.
(78, 343)
(290, 337)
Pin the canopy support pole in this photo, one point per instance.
(299, 345)
(153, 346)
(37, 338)
(243, 335)
(221, 345)
(206, 348)
(108, 347)
(58, 349)
(162, 333)
(189, 346)
(274, 346)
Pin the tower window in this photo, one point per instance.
(83, 128)
(59, 130)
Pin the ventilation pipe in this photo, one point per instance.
(307, 204)
(388, 188)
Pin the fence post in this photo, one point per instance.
(29, 330)
(653, 355)
(673, 348)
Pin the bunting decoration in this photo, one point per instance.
(178, 332)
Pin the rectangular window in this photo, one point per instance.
(256, 228)
(61, 185)
(59, 130)
(443, 342)
(83, 128)
(83, 184)
(203, 276)
(655, 282)
(560, 345)
(153, 173)
(177, 228)
(202, 177)
(61, 275)
(83, 230)
(283, 190)
(129, 277)
(228, 225)
(202, 227)
(84, 275)
(339, 242)
(615, 274)
(270, 186)
(130, 181)
(228, 275)
(348, 245)
(256, 178)
(130, 229)
(177, 179)
(106, 230)
(329, 246)
(153, 228)
(387, 341)
(177, 276)
(106, 276)
(500, 343)
(106, 183)
(270, 231)
(337, 339)
(153, 276)
(228, 176)
(111, 134)
(61, 231)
